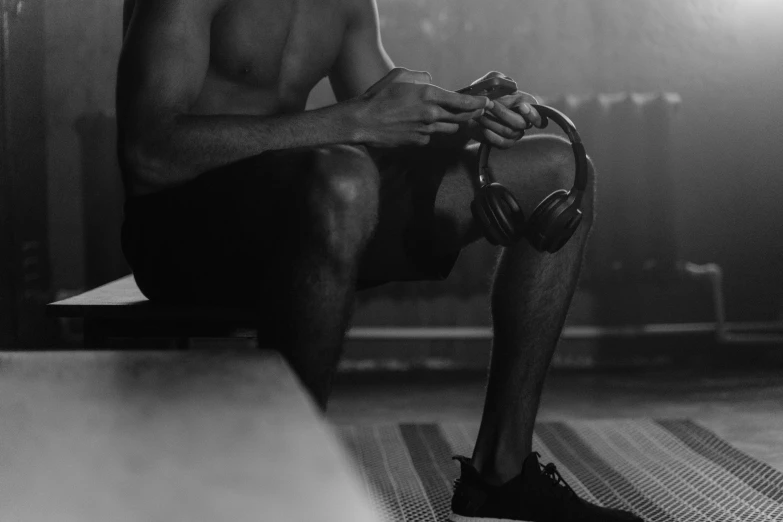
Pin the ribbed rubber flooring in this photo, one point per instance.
(664, 470)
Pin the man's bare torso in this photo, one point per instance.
(267, 55)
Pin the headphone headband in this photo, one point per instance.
(555, 218)
(580, 155)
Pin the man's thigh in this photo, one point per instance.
(223, 238)
(230, 235)
(415, 238)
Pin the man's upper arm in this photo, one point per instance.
(163, 63)
(362, 60)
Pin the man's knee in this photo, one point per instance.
(556, 166)
(556, 161)
(344, 182)
(343, 194)
(345, 176)
(588, 200)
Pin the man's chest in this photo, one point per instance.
(277, 44)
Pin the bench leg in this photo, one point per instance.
(95, 334)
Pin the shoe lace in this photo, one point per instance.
(557, 481)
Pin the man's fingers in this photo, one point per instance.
(509, 117)
(455, 101)
(501, 129)
(527, 97)
(434, 113)
(517, 98)
(497, 141)
(443, 127)
(457, 117)
(530, 114)
(515, 103)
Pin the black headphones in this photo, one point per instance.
(554, 220)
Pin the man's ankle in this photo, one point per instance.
(500, 470)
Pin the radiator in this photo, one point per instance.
(628, 136)
(633, 241)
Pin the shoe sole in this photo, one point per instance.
(460, 518)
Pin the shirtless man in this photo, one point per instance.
(236, 194)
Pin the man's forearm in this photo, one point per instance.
(193, 144)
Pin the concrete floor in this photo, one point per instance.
(742, 406)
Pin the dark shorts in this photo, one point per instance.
(226, 237)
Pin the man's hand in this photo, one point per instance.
(404, 108)
(506, 119)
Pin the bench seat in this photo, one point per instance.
(119, 309)
(123, 299)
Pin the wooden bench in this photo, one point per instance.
(196, 436)
(119, 309)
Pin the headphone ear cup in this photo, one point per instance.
(481, 214)
(498, 213)
(553, 222)
(507, 212)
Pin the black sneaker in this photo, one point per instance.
(537, 494)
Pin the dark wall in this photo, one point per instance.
(722, 56)
(7, 286)
(83, 41)
(24, 271)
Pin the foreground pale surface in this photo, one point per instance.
(191, 436)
